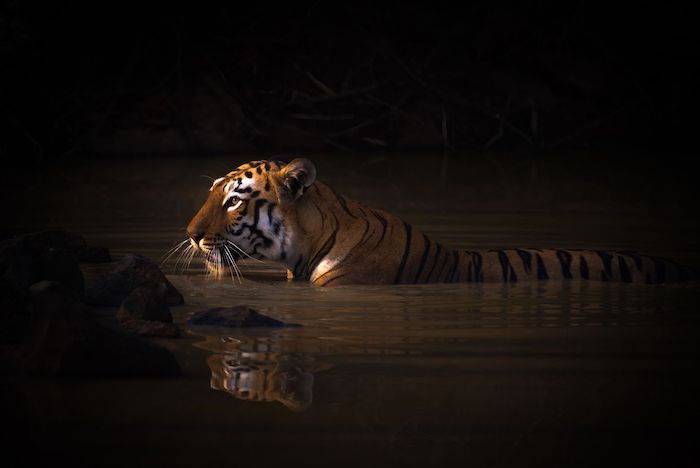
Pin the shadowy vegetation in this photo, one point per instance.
(527, 77)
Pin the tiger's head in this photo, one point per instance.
(250, 212)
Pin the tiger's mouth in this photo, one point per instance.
(220, 260)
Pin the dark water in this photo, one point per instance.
(545, 374)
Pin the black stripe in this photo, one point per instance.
(541, 270)
(437, 255)
(660, 270)
(269, 212)
(384, 223)
(526, 257)
(583, 267)
(296, 271)
(508, 271)
(470, 266)
(343, 203)
(478, 260)
(624, 269)
(503, 259)
(404, 257)
(333, 279)
(365, 237)
(256, 213)
(606, 258)
(636, 258)
(326, 247)
(424, 258)
(453, 269)
(442, 266)
(565, 260)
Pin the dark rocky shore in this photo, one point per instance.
(49, 324)
(48, 327)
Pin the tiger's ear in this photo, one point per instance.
(297, 176)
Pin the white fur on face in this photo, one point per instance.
(216, 182)
(234, 207)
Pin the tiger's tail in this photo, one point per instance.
(513, 265)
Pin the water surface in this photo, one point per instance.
(433, 375)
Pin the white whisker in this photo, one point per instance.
(242, 251)
(172, 252)
(182, 255)
(190, 258)
(233, 264)
(210, 260)
(217, 262)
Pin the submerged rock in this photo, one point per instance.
(68, 340)
(145, 304)
(129, 273)
(152, 328)
(235, 317)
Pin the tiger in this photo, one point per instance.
(270, 209)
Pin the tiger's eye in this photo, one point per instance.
(231, 201)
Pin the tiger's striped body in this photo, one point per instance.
(282, 213)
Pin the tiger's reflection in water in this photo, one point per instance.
(263, 377)
(253, 369)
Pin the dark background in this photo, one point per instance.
(114, 78)
(552, 124)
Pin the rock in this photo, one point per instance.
(25, 261)
(144, 304)
(61, 265)
(54, 297)
(235, 317)
(94, 254)
(69, 341)
(15, 320)
(152, 328)
(129, 273)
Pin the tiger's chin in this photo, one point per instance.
(216, 270)
(220, 262)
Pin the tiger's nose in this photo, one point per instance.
(196, 236)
